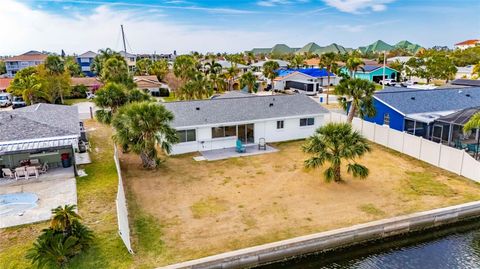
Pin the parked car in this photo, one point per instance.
(387, 82)
(5, 99)
(90, 95)
(407, 83)
(18, 102)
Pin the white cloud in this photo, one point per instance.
(32, 29)
(356, 6)
(272, 3)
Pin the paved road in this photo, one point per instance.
(84, 109)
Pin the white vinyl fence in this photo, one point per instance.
(122, 212)
(448, 158)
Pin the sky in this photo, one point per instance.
(163, 26)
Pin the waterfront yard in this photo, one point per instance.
(204, 208)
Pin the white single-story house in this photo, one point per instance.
(305, 80)
(217, 123)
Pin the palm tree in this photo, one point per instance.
(476, 69)
(103, 55)
(358, 93)
(63, 218)
(328, 61)
(197, 88)
(109, 98)
(115, 70)
(231, 75)
(473, 123)
(54, 65)
(213, 67)
(353, 63)
(297, 61)
(270, 71)
(185, 67)
(333, 143)
(140, 127)
(248, 79)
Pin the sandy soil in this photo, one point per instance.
(211, 207)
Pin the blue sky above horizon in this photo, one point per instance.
(231, 26)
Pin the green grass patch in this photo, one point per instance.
(209, 206)
(170, 98)
(423, 183)
(70, 102)
(371, 210)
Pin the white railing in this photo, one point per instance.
(121, 202)
(448, 158)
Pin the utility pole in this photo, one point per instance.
(125, 48)
(384, 63)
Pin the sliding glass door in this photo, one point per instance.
(245, 133)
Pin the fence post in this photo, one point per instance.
(91, 112)
(461, 166)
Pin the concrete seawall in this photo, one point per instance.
(329, 240)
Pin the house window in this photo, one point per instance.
(386, 119)
(280, 124)
(307, 121)
(84, 60)
(225, 131)
(186, 136)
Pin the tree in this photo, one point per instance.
(102, 57)
(399, 66)
(473, 123)
(439, 67)
(65, 238)
(270, 71)
(196, 88)
(27, 84)
(231, 75)
(476, 70)
(353, 63)
(3, 68)
(358, 93)
(109, 98)
(142, 67)
(72, 67)
(54, 65)
(213, 67)
(185, 67)
(116, 70)
(248, 80)
(297, 61)
(333, 143)
(328, 60)
(140, 127)
(55, 81)
(159, 69)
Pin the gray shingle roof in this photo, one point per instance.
(39, 121)
(225, 110)
(421, 101)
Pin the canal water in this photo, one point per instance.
(448, 248)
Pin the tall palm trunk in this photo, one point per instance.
(147, 160)
(337, 177)
(351, 112)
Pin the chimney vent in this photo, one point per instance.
(413, 98)
(270, 105)
(197, 108)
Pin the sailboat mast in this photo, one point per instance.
(123, 38)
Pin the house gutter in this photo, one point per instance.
(334, 239)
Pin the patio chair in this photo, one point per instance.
(20, 173)
(262, 144)
(32, 171)
(44, 168)
(240, 147)
(7, 173)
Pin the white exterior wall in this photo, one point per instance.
(262, 129)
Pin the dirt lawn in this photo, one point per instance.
(206, 208)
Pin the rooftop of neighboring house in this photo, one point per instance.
(312, 72)
(241, 109)
(466, 82)
(147, 82)
(232, 94)
(28, 56)
(370, 68)
(126, 54)
(411, 101)
(4, 83)
(39, 121)
(86, 81)
(88, 54)
(280, 62)
(468, 42)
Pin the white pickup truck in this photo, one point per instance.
(387, 82)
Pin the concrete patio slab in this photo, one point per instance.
(51, 194)
(221, 154)
(82, 158)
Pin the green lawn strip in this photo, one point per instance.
(70, 102)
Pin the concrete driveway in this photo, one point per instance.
(84, 109)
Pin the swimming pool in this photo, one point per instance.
(17, 203)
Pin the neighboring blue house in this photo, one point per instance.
(85, 60)
(414, 111)
(305, 80)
